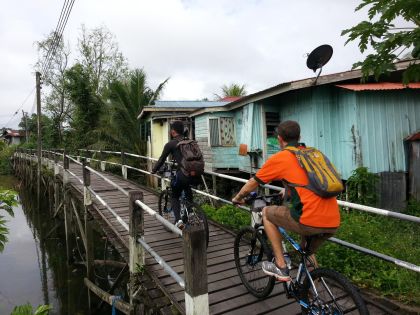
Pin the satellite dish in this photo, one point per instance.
(319, 57)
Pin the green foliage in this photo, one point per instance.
(120, 128)
(27, 309)
(392, 237)
(228, 215)
(50, 137)
(232, 90)
(6, 153)
(88, 106)
(7, 201)
(361, 187)
(387, 41)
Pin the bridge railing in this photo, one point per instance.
(355, 247)
(195, 254)
(355, 206)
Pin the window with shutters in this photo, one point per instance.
(222, 132)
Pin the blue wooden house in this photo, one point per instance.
(352, 123)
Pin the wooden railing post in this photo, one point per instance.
(123, 163)
(136, 251)
(102, 161)
(86, 183)
(195, 270)
(66, 164)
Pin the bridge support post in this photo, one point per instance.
(87, 201)
(136, 251)
(65, 203)
(195, 271)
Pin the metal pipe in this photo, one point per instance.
(161, 219)
(387, 213)
(364, 250)
(162, 262)
(74, 160)
(74, 175)
(121, 221)
(125, 192)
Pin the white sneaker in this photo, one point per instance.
(271, 269)
(180, 225)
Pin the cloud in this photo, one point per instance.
(199, 44)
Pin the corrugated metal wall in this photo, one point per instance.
(385, 118)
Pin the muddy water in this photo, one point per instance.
(33, 265)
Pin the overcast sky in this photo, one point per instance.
(199, 44)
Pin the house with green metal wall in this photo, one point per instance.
(354, 124)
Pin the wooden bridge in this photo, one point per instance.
(182, 277)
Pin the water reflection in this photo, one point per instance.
(33, 266)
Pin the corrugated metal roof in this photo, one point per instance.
(413, 137)
(190, 104)
(379, 86)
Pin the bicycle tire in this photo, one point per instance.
(198, 216)
(165, 207)
(346, 298)
(250, 250)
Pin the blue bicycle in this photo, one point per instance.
(320, 291)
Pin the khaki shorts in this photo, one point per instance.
(280, 216)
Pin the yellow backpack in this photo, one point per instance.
(324, 179)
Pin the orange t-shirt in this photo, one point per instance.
(305, 206)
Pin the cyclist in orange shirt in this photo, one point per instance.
(306, 214)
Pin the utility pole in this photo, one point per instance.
(25, 117)
(38, 111)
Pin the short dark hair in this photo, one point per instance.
(289, 130)
(178, 127)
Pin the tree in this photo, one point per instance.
(88, 106)
(388, 41)
(126, 100)
(100, 55)
(232, 90)
(50, 137)
(56, 104)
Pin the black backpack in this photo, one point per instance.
(192, 163)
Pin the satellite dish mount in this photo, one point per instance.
(318, 58)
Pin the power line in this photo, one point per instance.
(67, 7)
(55, 34)
(17, 111)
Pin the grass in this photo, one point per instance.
(393, 237)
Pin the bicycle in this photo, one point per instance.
(191, 213)
(320, 291)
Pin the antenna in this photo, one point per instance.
(318, 58)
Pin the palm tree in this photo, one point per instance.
(232, 90)
(121, 128)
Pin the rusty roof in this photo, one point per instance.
(379, 86)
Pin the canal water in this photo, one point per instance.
(33, 265)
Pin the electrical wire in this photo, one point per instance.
(60, 34)
(67, 7)
(20, 107)
(55, 32)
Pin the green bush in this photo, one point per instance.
(6, 153)
(389, 236)
(228, 215)
(361, 187)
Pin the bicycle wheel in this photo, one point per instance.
(165, 207)
(196, 216)
(250, 250)
(336, 295)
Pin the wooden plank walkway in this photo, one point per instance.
(227, 295)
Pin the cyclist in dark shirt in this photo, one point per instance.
(182, 182)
